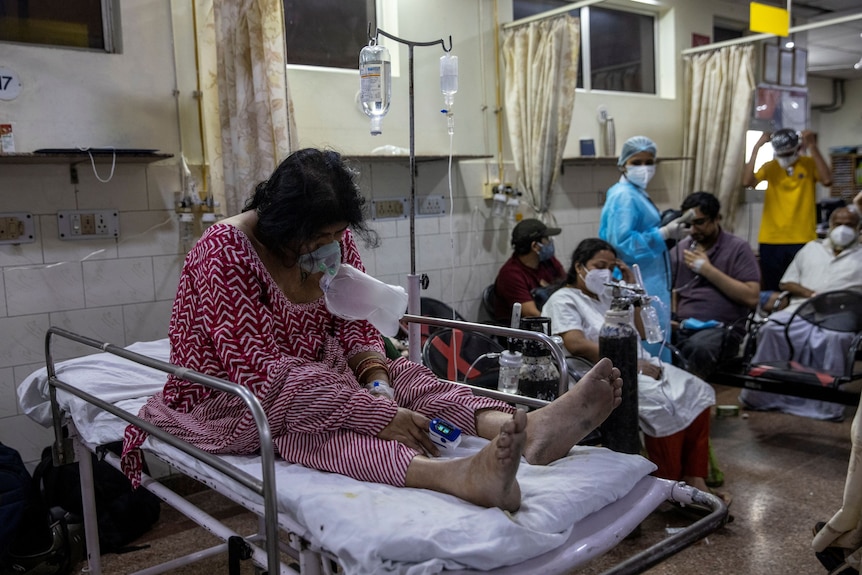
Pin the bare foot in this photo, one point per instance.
(486, 478)
(555, 428)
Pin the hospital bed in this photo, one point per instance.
(572, 511)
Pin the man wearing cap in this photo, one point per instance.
(631, 223)
(532, 265)
(789, 217)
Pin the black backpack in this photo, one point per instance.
(32, 537)
(123, 513)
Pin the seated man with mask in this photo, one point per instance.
(830, 264)
(715, 279)
(531, 266)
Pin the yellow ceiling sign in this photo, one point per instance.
(769, 19)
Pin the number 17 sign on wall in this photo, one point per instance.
(10, 84)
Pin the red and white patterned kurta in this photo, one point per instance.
(231, 320)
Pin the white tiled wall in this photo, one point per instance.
(118, 291)
(461, 253)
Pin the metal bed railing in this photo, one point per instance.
(63, 447)
(557, 353)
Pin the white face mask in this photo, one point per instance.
(596, 279)
(640, 175)
(787, 161)
(842, 236)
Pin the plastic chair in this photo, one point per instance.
(465, 357)
(488, 306)
(839, 311)
(542, 293)
(430, 307)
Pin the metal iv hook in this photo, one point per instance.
(408, 42)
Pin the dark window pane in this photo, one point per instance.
(328, 33)
(721, 33)
(622, 45)
(75, 23)
(622, 51)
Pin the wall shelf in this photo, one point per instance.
(100, 157)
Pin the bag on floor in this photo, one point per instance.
(123, 513)
(14, 485)
(32, 540)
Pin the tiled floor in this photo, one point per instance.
(785, 473)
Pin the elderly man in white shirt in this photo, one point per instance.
(829, 264)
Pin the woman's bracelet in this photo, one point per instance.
(368, 365)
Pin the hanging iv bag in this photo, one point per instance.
(375, 83)
(448, 78)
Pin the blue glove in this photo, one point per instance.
(698, 324)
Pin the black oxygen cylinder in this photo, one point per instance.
(618, 341)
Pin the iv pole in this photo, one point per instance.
(413, 280)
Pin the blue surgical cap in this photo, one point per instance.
(634, 145)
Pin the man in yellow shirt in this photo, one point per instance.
(789, 218)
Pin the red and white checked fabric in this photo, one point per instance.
(231, 320)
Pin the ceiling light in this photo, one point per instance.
(789, 44)
(858, 65)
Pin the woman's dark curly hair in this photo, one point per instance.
(585, 251)
(311, 189)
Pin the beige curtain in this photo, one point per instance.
(541, 72)
(247, 113)
(719, 91)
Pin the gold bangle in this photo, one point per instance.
(375, 367)
(372, 359)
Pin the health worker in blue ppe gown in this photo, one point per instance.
(631, 223)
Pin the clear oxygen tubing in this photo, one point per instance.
(451, 224)
(488, 355)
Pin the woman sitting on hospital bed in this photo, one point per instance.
(673, 404)
(250, 309)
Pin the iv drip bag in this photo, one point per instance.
(448, 78)
(375, 83)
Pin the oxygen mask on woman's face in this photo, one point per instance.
(324, 259)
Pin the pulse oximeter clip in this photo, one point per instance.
(443, 434)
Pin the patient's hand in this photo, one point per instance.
(649, 369)
(411, 429)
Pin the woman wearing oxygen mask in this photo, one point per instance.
(673, 405)
(251, 308)
(631, 222)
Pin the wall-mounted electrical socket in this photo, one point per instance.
(17, 228)
(389, 208)
(88, 224)
(431, 206)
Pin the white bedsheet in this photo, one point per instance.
(372, 528)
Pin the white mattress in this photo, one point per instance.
(372, 528)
